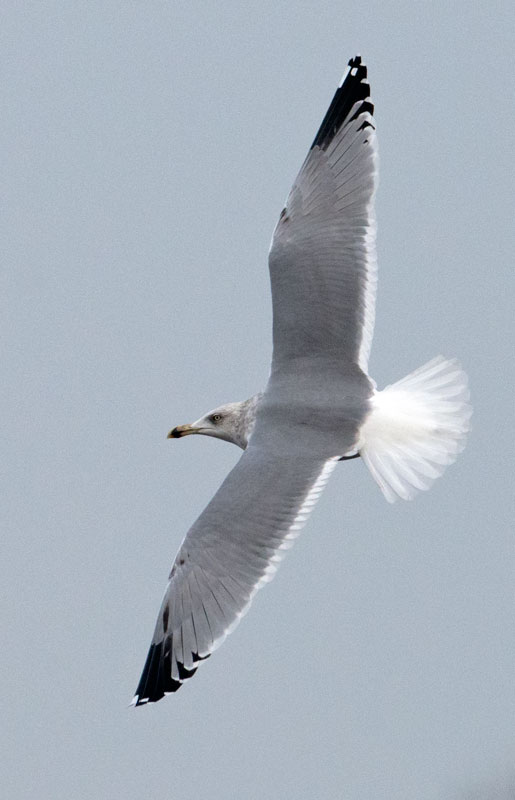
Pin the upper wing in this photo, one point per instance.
(323, 259)
(231, 550)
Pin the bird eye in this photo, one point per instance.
(216, 417)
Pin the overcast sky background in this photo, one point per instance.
(149, 147)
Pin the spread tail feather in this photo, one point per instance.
(416, 428)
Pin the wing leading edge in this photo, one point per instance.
(322, 259)
(228, 554)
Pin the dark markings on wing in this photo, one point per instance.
(353, 90)
(197, 658)
(156, 679)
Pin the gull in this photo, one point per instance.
(319, 406)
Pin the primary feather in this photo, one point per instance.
(319, 404)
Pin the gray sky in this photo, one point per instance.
(150, 147)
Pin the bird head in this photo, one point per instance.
(227, 422)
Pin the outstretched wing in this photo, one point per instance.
(231, 550)
(323, 259)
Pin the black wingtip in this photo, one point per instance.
(156, 679)
(353, 89)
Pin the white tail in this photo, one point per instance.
(416, 428)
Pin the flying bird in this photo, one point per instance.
(319, 406)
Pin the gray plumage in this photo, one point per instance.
(319, 403)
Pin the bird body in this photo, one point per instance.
(319, 406)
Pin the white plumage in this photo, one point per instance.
(416, 428)
(319, 405)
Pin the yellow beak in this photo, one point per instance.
(181, 430)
